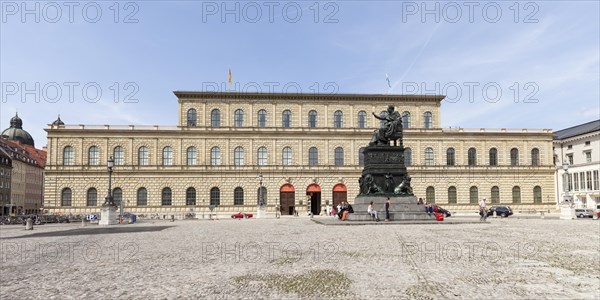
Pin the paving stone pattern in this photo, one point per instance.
(295, 258)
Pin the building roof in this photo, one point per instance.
(577, 130)
(306, 96)
(24, 153)
(16, 132)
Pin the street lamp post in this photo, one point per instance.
(108, 212)
(261, 198)
(567, 211)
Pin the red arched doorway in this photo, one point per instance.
(314, 191)
(340, 194)
(287, 196)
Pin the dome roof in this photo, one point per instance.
(16, 133)
(58, 122)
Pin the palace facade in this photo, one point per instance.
(303, 146)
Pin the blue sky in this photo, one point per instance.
(549, 51)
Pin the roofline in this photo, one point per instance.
(574, 135)
(305, 96)
(577, 125)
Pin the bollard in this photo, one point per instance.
(82, 222)
(29, 224)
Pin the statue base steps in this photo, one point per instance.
(401, 208)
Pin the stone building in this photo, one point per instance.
(579, 147)
(5, 172)
(306, 146)
(27, 170)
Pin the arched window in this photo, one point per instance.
(262, 192)
(339, 156)
(215, 156)
(93, 156)
(361, 156)
(166, 196)
(143, 156)
(262, 156)
(495, 195)
(430, 194)
(407, 157)
(286, 156)
(215, 196)
(450, 161)
(118, 156)
(405, 119)
(535, 157)
(167, 156)
(429, 156)
(191, 156)
(215, 118)
(92, 197)
(117, 196)
(516, 194)
(190, 196)
(68, 156)
(514, 157)
(262, 118)
(312, 119)
(427, 120)
(537, 194)
(493, 157)
(238, 196)
(313, 156)
(286, 119)
(191, 117)
(452, 194)
(238, 118)
(142, 197)
(473, 195)
(238, 156)
(337, 119)
(362, 119)
(65, 197)
(472, 157)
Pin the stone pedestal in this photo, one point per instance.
(108, 216)
(261, 212)
(401, 209)
(567, 212)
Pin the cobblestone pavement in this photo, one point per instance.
(295, 258)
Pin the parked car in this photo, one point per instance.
(241, 216)
(584, 213)
(503, 211)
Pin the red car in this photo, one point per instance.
(241, 216)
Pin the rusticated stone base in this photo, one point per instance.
(401, 208)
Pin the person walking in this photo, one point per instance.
(482, 210)
(387, 210)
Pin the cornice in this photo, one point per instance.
(191, 95)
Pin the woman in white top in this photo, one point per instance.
(373, 212)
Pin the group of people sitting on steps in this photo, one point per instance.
(343, 209)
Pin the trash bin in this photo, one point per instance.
(133, 218)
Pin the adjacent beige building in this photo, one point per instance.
(301, 144)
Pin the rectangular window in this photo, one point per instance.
(575, 182)
(588, 174)
(570, 147)
(587, 143)
(582, 181)
(588, 156)
(570, 158)
(596, 185)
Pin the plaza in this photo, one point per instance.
(296, 258)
